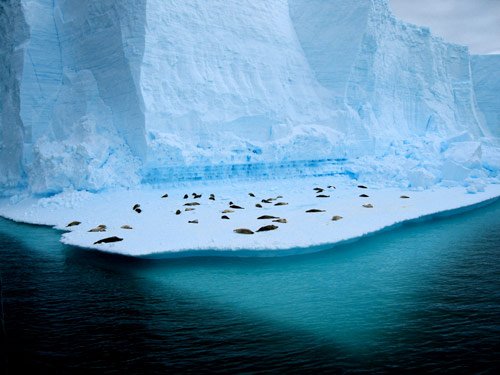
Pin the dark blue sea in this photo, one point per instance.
(422, 298)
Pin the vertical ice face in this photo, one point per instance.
(13, 36)
(486, 75)
(106, 38)
(210, 63)
(81, 105)
(400, 79)
(95, 91)
(42, 72)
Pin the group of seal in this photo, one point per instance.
(190, 206)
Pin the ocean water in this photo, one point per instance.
(424, 297)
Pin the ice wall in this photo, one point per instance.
(221, 77)
(101, 93)
(13, 36)
(80, 105)
(400, 79)
(486, 74)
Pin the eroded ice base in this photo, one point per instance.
(159, 232)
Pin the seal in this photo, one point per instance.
(281, 204)
(279, 197)
(99, 228)
(236, 207)
(136, 206)
(258, 205)
(362, 187)
(337, 218)
(126, 227)
(224, 217)
(227, 211)
(243, 231)
(196, 196)
(267, 217)
(73, 224)
(331, 187)
(212, 197)
(138, 210)
(282, 221)
(269, 200)
(193, 221)
(192, 204)
(322, 196)
(364, 196)
(189, 209)
(178, 212)
(267, 228)
(108, 240)
(369, 205)
(164, 196)
(252, 195)
(404, 197)
(186, 196)
(314, 210)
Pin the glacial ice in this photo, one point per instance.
(486, 75)
(110, 93)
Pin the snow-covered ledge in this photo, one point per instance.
(157, 231)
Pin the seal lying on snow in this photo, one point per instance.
(108, 240)
(73, 224)
(243, 231)
(267, 228)
(99, 228)
(282, 221)
(267, 217)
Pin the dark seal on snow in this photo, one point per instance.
(243, 231)
(267, 228)
(108, 240)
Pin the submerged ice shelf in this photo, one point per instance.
(157, 231)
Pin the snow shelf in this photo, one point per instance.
(159, 232)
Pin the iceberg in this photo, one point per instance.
(99, 96)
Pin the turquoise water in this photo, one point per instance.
(423, 297)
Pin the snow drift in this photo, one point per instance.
(103, 93)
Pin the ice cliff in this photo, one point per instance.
(103, 93)
(486, 75)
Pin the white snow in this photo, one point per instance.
(159, 232)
